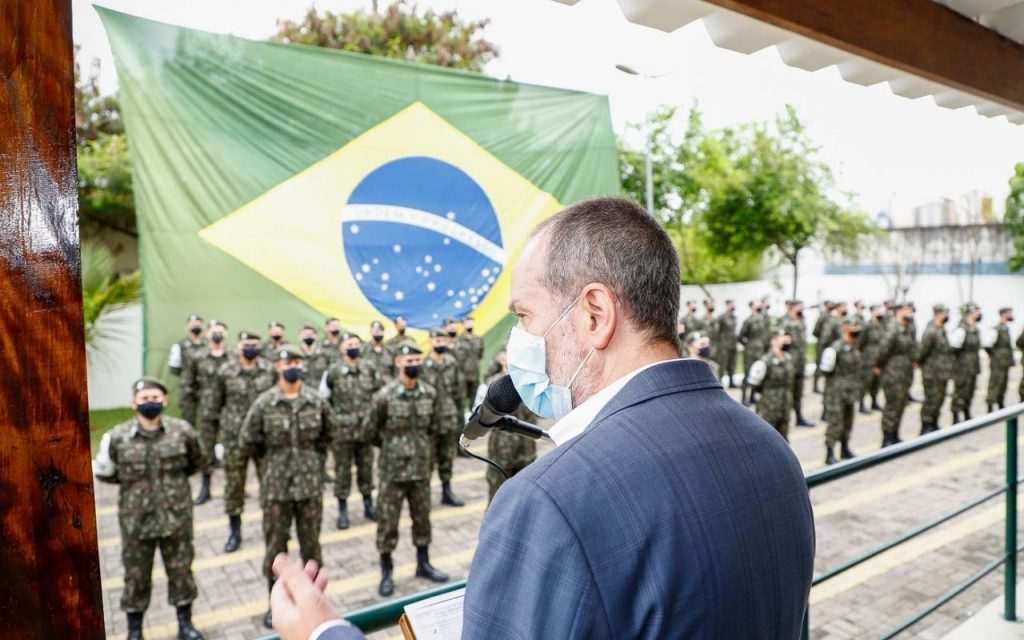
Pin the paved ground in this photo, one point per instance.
(853, 515)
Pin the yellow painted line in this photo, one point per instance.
(360, 531)
(253, 608)
(909, 480)
(905, 553)
(221, 519)
(112, 509)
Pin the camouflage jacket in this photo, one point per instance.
(935, 356)
(180, 352)
(844, 383)
(291, 435)
(871, 339)
(316, 364)
(829, 333)
(898, 353)
(403, 423)
(381, 361)
(511, 450)
(692, 322)
(270, 349)
(331, 349)
(709, 327)
(1001, 352)
(199, 383)
(236, 388)
(469, 349)
(797, 332)
(447, 379)
(754, 334)
(968, 362)
(725, 332)
(152, 467)
(351, 390)
(776, 387)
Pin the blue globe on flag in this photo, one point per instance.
(422, 240)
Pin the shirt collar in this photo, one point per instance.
(577, 420)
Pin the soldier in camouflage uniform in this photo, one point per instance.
(830, 332)
(793, 325)
(709, 327)
(895, 365)
(151, 457)
(397, 341)
(377, 355)
(754, 334)
(350, 384)
(199, 385)
(276, 340)
(510, 451)
(844, 375)
(698, 346)
(935, 359)
(441, 371)
(178, 358)
(403, 419)
(870, 343)
(691, 320)
(288, 427)
(1020, 388)
(965, 342)
(239, 382)
(469, 350)
(1000, 358)
(331, 344)
(725, 341)
(772, 376)
(317, 360)
(824, 317)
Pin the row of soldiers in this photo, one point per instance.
(285, 407)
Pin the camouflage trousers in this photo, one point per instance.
(1020, 388)
(997, 385)
(137, 556)
(277, 523)
(347, 452)
(727, 358)
(471, 385)
(443, 455)
(495, 479)
(798, 390)
(934, 396)
(840, 419)
(188, 412)
(236, 465)
(963, 392)
(208, 431)
(895, 390)
(389, 510)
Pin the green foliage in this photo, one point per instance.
(1014, 216)
(397, 31)
(103, 290)
(102, 420)
(95, 114)
(105, 194)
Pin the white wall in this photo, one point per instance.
(116, 362)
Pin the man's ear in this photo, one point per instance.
(602, 314)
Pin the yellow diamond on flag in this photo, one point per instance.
(410, 218)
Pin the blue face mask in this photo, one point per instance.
(527, 360)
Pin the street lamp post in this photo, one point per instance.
(648, 168)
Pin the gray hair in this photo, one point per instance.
(614, 241)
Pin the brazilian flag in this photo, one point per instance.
(293, 183)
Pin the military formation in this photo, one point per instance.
(865, 360)
(291, 407)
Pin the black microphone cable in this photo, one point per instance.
(484, 459)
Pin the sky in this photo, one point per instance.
(890, 152)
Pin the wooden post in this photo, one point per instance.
(49, 565)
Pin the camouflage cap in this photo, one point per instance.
(330, 320)
(971, 306)
(1003, 310)
(247, 335)
(408, 350)
(376, 324)
(693, 336)
(900, 305)
(148, 382)
(274, 324)
(348, 335)
(216, 323)
(852, 321)
(438, 333)
(778, 333)
(309, 327)
(289, 352)
(450, 320)
(793, 302)
(940, 308)
(195, 317)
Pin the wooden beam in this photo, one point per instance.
(49, 565)
(921, 37)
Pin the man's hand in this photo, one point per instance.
(297, 601)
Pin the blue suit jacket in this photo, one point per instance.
(677, 513)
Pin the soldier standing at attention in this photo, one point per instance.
(239, 382)
(830, 332)
(275, 341)
(181, 351)
(350, 384)
(870, 343)
(317, 360)
(287, 427)
(1020, 345)
(841, 366)
(709, 326)
(151, 457)
(824, 317)
(331, 344)
(469, 349)
(698, 346)
(199, 385)
(510, 451)
(965, 342)
(895, 365)
(377, 354)
(403, 419)
(691, 320)
(442, 372)
(999, 346)
(772, 376)
(753, 336)
(935, 359)
(399, 340)
(725, 348)
(858, 311)
(793, 325)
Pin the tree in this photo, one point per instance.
(1013, 219)
(767, 192)
(397, 31)
(103, 291)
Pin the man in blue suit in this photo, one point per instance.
(667, 509)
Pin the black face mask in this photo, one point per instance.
(352, 353)
(978, 319)
(292, 374)
(251, 352)
(1010, 319)
(945, 320)
(196, 330)
(704, 352)
(469, 329)
(217, 338)
(412, 371)
(799, 314)
(787, 346)
(309, 341)
(150, 410)
(855, 334)
(842, 314)
(452, 334)
(711, 310)
(441, 348)
(378, 338)
(335, 332)
(401, 332)
(275, 338)
(682, 336)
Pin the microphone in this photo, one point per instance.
(501, 400)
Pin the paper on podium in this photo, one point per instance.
(437, 618)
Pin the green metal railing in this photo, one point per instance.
(386, 614)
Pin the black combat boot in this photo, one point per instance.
(235, 534)
(342, 513)
(268, 617)
(956, 417)
(423, 568)
(845, 452)
(800, 422)
(387, 582)
(204, 491)
(448, 497)
(185, 629)
(967, 414)
(874, 405)
(830, 456)
(753, 397)
(896, 438)
(369, 512)
(864, 407)
(743, 397)
(887, 440)
(134, 625)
